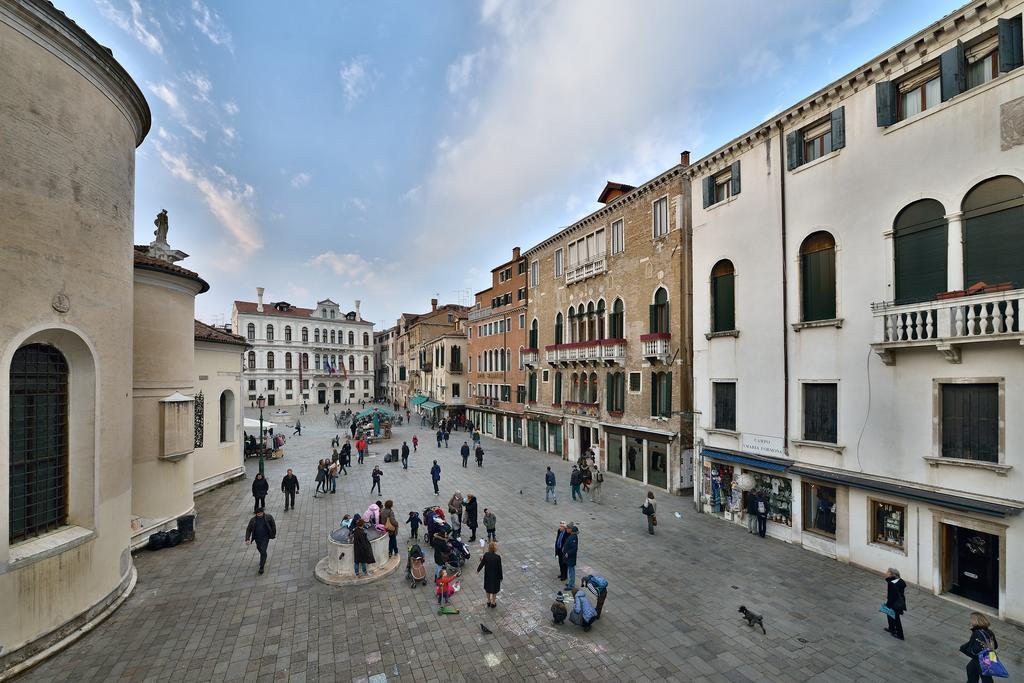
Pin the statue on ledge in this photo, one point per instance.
(161, 227)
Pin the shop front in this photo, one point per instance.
(641, 455)
(729, 479)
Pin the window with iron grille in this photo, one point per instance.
(38, 441)
(199, 408)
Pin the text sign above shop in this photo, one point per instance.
(763, 445)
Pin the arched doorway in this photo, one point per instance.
(337, 392)
(321, 393)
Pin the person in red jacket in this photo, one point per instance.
(444, 588)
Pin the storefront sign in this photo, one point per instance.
(763, 445)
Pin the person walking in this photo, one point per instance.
(896, 601)
(982, 638)
(549, 484)
(298, 428)
(321, 479)
(595, 487)
(479, 455)
(574, 483)
(289, 486)
(491, 564)
(440, 437)
(332, 476)
(391, 526)
(471, 516)
(569, 549)
(490, 522)
(346, 454)
(405, 455)
(762, 514)
(752, 512)
(415, 443)
(560, 537)
(447, 435)
(375, 476)
(435, 476)
(262, 530)
(650, 508)
(362, 551)
(260, 488)
(465, 453)
(361, 447)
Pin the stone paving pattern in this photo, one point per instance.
(201, 613)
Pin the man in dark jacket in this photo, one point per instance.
(435, 476)
(574, 483)
(549, 493)
(405, 455)
(895, 599)
(752, 512)
(290, 486)
(260, 488)
(471, 516)
(569, 547)
(559, 542)
(479, 456)
(440, 545)
(346, 455)
(465, 453)
(762, 514)
(262, 530)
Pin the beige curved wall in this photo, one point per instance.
(67, 165)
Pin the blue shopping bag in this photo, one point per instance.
(887, 611)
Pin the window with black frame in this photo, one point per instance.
(725, 405)
(821, 412)
(970, 421)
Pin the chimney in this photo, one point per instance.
(358, 317)
(515, 253)
(433, 304)
(684, 158)
(259, 299)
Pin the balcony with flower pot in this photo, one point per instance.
(655, 346)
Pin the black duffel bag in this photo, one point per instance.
(173, 538)
(157, 541)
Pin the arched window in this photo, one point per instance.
(533, 334)
(659, 311)
(38, 441)
(558, 328)
(366, 363)
(270, 360)
(316, 335)
(323, 335)
(919, 241)
(270, 333)
(521, 358)
(334, 361)
(288, 361)
(252, 360)
(366, 338)
(316, 361)
(351, 363)
(615, 390)
(351, 338)
(287, 333)
(600, 320)
(305, 335)
(581, 323)
(994, 233)
(250, 332)
(305, 361)
(616, 323)
(723, 297)
(227, 416)
(591, 322)
(557, 397)
(592, 396)
(332, 336)
(818, 277)
(584, 387)
(572, 325)
(508, 358)
(574, 390)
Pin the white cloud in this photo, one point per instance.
(134, 25)
(201, 83)
(357, 79)
(230, 108)
(230, 134)
(412, 194)
(356, 269)
(360, 205)
(209, 23)
(461, 72)
(229, 200)
(861, 11)
(166, 93)
(301, 180)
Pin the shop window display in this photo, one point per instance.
(615, 453)
(635, 458)
(819, 509)
(657, 465)
(779, 494)
(888, 524)
(719, 490)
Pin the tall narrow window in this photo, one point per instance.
(305, 361)
(616, 324)
(351, 363)
(38, 441)
(723, 297)
(557, 399)
(533, 387)
(305, 335)
(591, 322)
(250, 332)
(251, 358)
(227, 416)
(533, 334)
(618, 237)
(818, 277)
(366, 363)
(351, 339)
(970, 421)
(316, 335)
(600, 320)
(535, 274)
(559, 269)
(661, 394)
(725, 405)
(366, 338)
(558, 328)
(660, 210)
(287, 333)
(270, 333)
(572, 325)
(919, 238)
(659, 311)
(994, 233)
(288, 361)
(332, 336)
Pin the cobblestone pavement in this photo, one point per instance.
(201, 613)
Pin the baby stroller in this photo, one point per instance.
(458, 553)
(415, 566)
(433, 520)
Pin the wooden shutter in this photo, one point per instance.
(994, 247)
(666, 405)
(953, 71)
(839, 128)
(1011, 49)
(655, 387)
(709, 190)
(609, 392)
(886, 98)
(654, 318)
(820, 408)
(724, 302)
(735, 172)
(920, 263)
(818, 278)
(970, 421)
(794, 149)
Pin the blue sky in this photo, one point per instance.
(395, 151)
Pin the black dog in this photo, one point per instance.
(752, 619)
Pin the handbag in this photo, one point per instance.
(887, 611)
(654, 520)
(390, 526)
(988, 662)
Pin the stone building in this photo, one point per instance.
(443, 373)
(316, 355)
(384, 352)
(859, 275)
(70, 123)
(608, 334)
(414, 332)
(496, 330)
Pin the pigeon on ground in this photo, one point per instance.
(485, 629)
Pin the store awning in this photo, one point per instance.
(255, 424)
(749, 459)
(947, 500)
(430, 405)
(640, 432)
(417, 400)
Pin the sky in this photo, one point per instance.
(393, 152)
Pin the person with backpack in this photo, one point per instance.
(479, 455)
(549, 483)
(981, 647)
(598, 585)
(414, 524)
(895, 602)
(260, 488)
(391, 526)
(574, 483)
(464, 451)
(440, 437)
(262, 530)
(650, 508)
(762, 514)
(595, 487)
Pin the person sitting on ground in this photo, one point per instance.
(558, 610)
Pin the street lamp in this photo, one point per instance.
(261, 403)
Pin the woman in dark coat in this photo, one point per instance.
(471, 517)
(362, 551)
(982, 639)
(260, 488)
(491, 564)
(895, 599)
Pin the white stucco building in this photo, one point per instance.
(318, 355)
(858, 270)
(386, 368)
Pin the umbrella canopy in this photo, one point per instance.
(384, 412)
(255, 424)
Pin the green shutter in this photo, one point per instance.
(920, 261)
(735, 173)
(838, 128)
(886, 97)
(994, 247)
(654, 318)
(609, 393)
(819, 285)
(654, 394)
(794, 149)
(724, 303)
(1011, 49)
(708, 186)
(953, 71)
(558, 387)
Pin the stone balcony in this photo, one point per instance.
(947, 324)
(655, 346)
(588, 268)
(608, 351)
(531, 357)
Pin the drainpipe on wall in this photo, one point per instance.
(785, 299)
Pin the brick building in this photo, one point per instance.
(608, 330)
(414, 332)
(497, 337)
